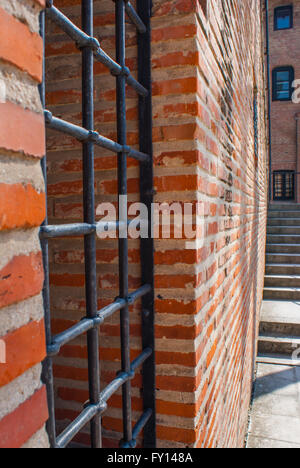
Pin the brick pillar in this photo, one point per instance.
(207, 298)
(23, 407)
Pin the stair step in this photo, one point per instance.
(282, 269)
(283, 239)
(283, 214)
(283, 258)
(284, 206)
(284, 222)
(285, 230)
(285, 345)
(283, 248)
(289, 294)
(277, 359)
(287, 281)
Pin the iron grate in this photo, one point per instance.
(91, 51)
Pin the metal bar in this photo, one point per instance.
(84, 135)
(92, 410)
(47, 374)
(87, 324)
(138, 429)
(63, 230)
(84, 40)
(124, 377)
(89, 218)
(134, 17)
(82, 420)
(123, 240)
(147, 245)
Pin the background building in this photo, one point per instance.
(284, 35)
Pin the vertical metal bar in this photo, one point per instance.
(123, 241)
(47, 374)
(144, 10)
(89, 217)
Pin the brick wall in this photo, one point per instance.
(23, 407)
(207, 65)
(284, 52)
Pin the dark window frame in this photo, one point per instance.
(285, 183)
(277, 11)
(291, 71)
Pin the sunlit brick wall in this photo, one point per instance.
(207, 64)
(23, 406)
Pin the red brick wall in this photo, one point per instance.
(23, 406)
(284, 52)
(205, 69)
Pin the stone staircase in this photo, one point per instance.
(280, 320)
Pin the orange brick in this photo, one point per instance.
(19, 46)
(21, 206)
(18, 427)
(25, 347)
(21, 130)
(21, 278)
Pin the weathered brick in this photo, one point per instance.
(20, 47)
(26, 420)
(21, 206)
(21, 278)
(21, 130)
(25, 347)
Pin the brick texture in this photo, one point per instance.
(22, 210)
(20, 47)
(208, 299)
(19, 426)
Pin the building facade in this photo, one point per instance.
(210, 147)
(284, 33)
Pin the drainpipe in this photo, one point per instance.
(269, 97)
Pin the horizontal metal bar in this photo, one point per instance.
(81, 38)
(142, 291)
(136, 20)
(87, 324)
(82, 420)
(62, 230)
(124, 376)
(84, 40)
(84, 135)
(79, 229)
(91, 410)
(138, 429)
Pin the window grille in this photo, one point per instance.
(98, 398)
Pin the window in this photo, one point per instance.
(284, 185)
(283, 78)
(283, 18)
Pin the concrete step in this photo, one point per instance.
(282, 269)
(280, 317)
(284, 281)
(284, 206)
(283, 258)
(283, 230)
(283, 214)
(271, 344)
(276, 293)
(283, 248)
(284, 222)
(277, 359)
(283, 239)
